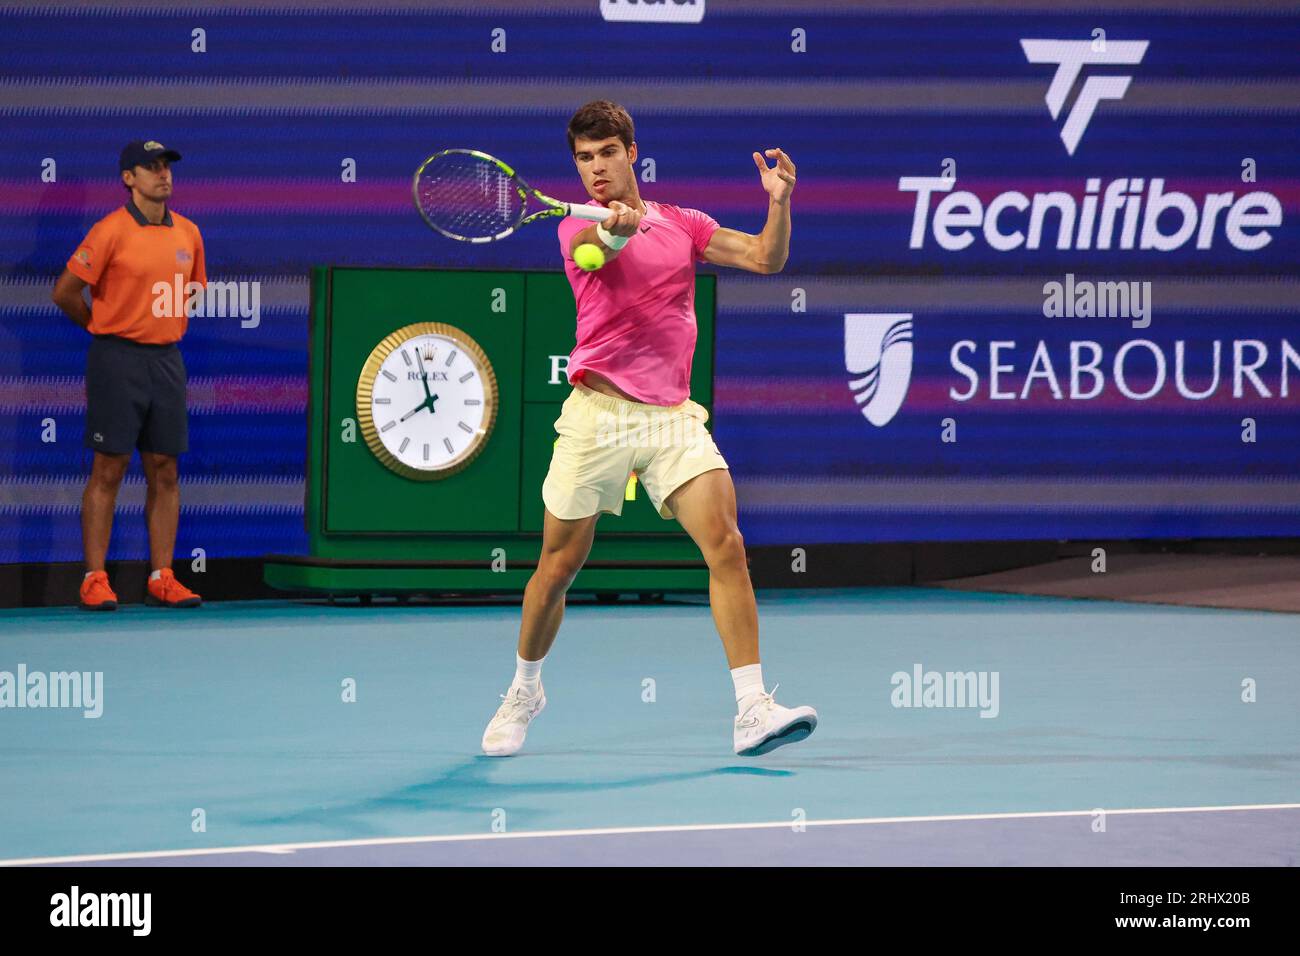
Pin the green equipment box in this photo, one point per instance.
(432, 400)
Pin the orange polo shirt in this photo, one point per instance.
(127, 261)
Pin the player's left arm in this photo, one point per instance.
(766, 252)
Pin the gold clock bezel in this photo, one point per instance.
(366, 387)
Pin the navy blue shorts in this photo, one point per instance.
(135, 398)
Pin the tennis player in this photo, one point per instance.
(135, 377)
(630, 412)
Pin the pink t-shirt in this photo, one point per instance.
(636, 314)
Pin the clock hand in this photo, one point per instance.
(423, 377)
(427, 403)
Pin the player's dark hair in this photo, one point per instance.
(601, 119)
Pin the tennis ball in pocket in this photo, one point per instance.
(589, 256)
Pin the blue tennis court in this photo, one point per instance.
(1117, 734)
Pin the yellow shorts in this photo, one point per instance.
(604, 440)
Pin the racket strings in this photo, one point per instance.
(468, 197)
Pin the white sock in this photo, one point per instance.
(528, 674)
(155, 575)
(748, 680)
(88, 574)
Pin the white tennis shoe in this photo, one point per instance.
(763, 725)
(505, 731)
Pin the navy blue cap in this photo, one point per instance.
(142, 152)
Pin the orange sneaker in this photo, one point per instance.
(168, 592)
(96, 595)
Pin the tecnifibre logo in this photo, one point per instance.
(1127, 213)
(1070, 57)
(878, 349)
(653, 11)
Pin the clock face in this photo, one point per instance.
(426, 400)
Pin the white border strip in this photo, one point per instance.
(283, 848)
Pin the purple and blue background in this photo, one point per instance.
(267, 115)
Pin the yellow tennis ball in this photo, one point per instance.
(589, 256)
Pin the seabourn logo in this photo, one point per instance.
(878, 350)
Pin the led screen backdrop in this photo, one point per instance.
(1042, 281)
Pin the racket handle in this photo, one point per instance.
(590, 213)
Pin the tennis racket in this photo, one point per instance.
(468, 195)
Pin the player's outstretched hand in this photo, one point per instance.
(778, 180)
(624, 221)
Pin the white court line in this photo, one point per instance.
(281, 848)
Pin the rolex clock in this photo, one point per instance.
(427, 400)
